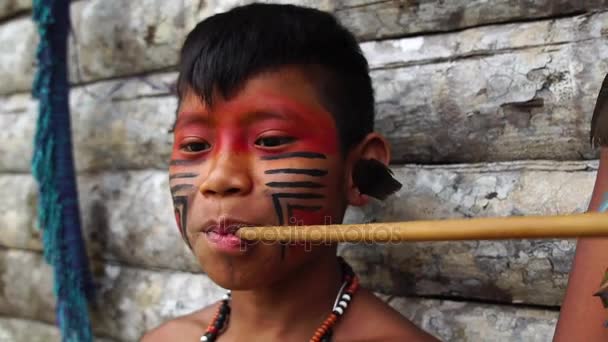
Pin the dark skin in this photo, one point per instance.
(270, 155)
(582, 315)
(368, 320)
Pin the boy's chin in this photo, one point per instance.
(244, 272)
(242, 285)
(231, 279)
(261, 268)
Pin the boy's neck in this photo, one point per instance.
(296, 306)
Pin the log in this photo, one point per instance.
(133, 301)
(522, 92)
(128, 219)
(461, 321)
(117, 38)
(10, 8)
(18, 42)
(129, 301)
(372, 19)
(24, 330)
(533, 103)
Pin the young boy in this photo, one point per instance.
(582, 316)
(275, 127)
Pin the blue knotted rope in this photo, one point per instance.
(53, 168)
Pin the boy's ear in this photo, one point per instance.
(369, 175)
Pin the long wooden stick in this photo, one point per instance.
(495, 228)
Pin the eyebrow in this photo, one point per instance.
(185, 118)
(261, 115)
(297, 109)
(256, 115)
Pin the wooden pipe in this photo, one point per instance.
(494, 228)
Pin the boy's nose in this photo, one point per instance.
(228, 177)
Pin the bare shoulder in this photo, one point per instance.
(370, 319)
(187, 327)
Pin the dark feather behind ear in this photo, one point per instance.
(599, 121)
(374, 179)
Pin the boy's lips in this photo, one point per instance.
(221, 236)
(224, 227)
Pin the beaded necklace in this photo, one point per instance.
(349, 287)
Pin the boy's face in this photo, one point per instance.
(268, 156)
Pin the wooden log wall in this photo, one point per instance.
(487, 105)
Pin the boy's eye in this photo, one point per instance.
(198, 146)
(274, 141)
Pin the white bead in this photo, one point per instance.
(225, 296)
(346, 297)
(343, 304)
(339, 310)
(204, 338)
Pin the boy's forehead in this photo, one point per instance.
(286, 93)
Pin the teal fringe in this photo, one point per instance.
(53, 168)
(604, 206)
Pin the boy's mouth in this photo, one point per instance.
(222, 235)
(225, 227)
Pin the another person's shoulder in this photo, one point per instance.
(189, 327)
(371, 319)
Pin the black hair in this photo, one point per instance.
(223, 51)
(226, 49)
(599, 122)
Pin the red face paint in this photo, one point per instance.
(262, 157)
(234, 127)
(276, 140)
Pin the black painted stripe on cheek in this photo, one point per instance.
(309, 155)
(308, 172)
(180, 187)
(181, 162)
(290, 208)
(277, 208)
(183, 175)
(311, 185)
(181, 205)
(276, 201)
